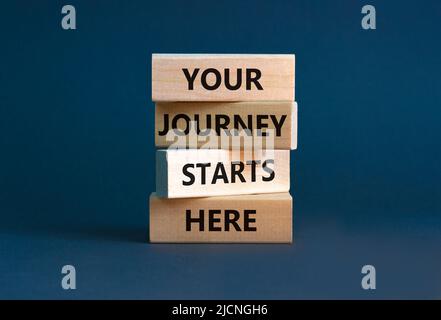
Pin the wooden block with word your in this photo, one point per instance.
(226, 125)
(222, 77)
(182, 173)
(246, 218)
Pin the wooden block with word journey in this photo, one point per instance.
(190, 173)
(226, 125)
(247, 218)
(222, 77)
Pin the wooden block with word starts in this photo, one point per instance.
(190, 173)
(247, 218)
(222, 77)
(226, 125)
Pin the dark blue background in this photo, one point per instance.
(77, 149)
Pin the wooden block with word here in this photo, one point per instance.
(226, 125)
(190, 173)
(222, 77)
(246, 218)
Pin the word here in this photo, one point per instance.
(247, 218)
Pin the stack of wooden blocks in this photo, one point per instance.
(224, 126)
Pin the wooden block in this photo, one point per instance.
(248, 218)
(190, 173)
(222, 77)
(272, 125)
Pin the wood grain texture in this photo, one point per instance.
(169, 82)
(269, 219)
(189, 173)
(276, 119)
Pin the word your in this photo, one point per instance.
(220, 122)
(220, 173)
(231, 218)
(252, 76)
